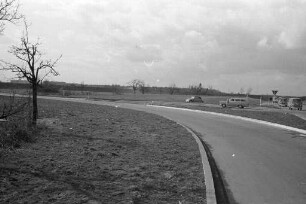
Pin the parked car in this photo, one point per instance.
(235, 102)
(295, 103)
(282, 102)
(194, 99)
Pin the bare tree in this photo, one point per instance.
(142, 86)
(172, 88)
(8, 13)
(33, 68)
(135, 84)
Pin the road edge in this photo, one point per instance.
(208, 177)
(238, 117)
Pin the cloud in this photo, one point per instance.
(178, 41)
(145, 53)
(65, 35)
(193, 34)
(263, 43)
(293, 37)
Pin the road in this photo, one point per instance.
(260, 164)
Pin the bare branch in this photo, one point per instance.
(9, 13)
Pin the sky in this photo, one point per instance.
(229, 45)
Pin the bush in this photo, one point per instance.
(17, 128)
(14, 133)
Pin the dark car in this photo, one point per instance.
(295, 103)
(197, 99)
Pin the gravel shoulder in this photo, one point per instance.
(101, 154)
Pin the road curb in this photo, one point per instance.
(208, 176)
(238, 117)
(209, 182)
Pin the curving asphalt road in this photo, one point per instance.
(260, 164)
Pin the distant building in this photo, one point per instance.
(19, 81)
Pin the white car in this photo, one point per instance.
(235, 102)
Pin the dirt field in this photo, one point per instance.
(97, 154)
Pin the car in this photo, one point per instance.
(282, 102)
(194, 99)
(235, 102)
(295, 103)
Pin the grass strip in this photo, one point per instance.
(99, 154)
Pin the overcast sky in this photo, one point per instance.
(226, 44)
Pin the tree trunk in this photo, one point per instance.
(35, 109)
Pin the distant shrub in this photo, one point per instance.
(49, 89)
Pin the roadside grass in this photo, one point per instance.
(100, 154)
(211, 103)
(282, 118)
(154, 98)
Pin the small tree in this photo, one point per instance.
(142, 86)
(137, 84)
(33, 68)
(199, 89)
(133, 84)
(172, 88)
(8, 13)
